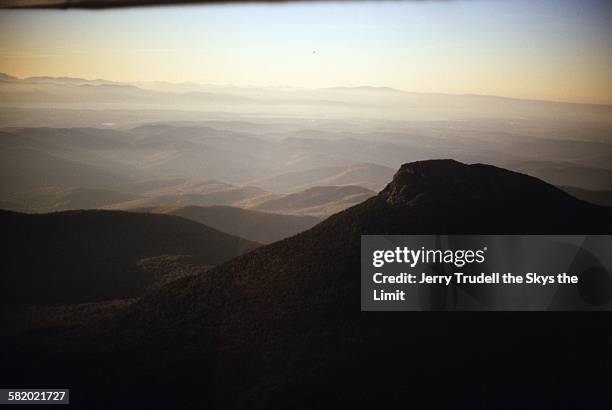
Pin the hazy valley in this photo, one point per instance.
(102, 157)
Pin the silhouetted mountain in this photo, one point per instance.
(281, 327)
(88, 256)
(253, 225)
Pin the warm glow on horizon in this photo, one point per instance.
(546, 50)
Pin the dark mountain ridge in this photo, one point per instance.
(281, 327)
(90, 256)
(257, 226)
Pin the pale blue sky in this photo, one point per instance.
(544, 49)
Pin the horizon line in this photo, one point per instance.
(363, 86)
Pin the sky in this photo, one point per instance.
(558, 50)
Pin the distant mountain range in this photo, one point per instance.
(335, 102)
(194, 87)
(153, 165)
(281, 326)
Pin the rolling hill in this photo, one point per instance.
(370, 176)
(27, 169)
(280, 161)
(90, 256)
(319, 201)
(257, 226)
(188, 192)
(281, 327)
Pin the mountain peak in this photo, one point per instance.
(445, 181)
(6, 77)
(415, 179)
